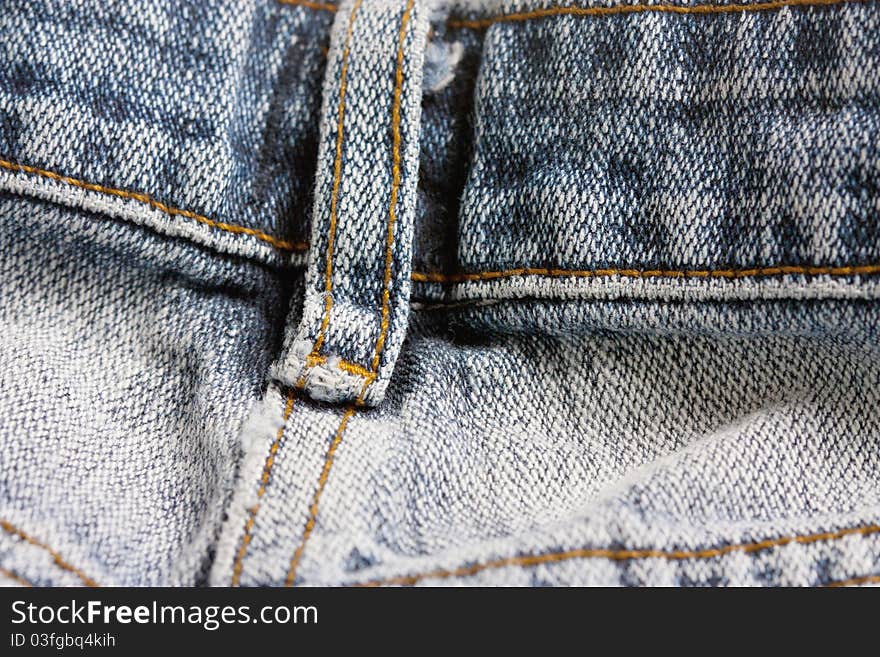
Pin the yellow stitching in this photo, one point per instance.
(347, 366)
(483, 23)
(624, 555)
(322, 481)
(14, 577)
(395, 183)
(264, 481)
(337, 173)
(158, 205)
(854, 581)
(314, 357)
(56, 557)
(782, 270)
(318, 6)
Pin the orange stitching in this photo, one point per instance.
(624, 555)
(57, 558)
(158, 205)
(395, 183)
(315, 357)
(854, 581)
(318, 6)
(483, 23)
(432, 277)
(16, 578)
(246, 537)
(347, 366)
(337, 174)
(313, 509)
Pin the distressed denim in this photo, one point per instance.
(409, 292)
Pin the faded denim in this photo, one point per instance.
(399, 292)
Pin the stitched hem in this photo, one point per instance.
(142, 209)
(395, 186)
(337, 176)
(483, 23)
(326, 378)
(537, 285)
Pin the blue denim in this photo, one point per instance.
(186, 117)
(358, 277)
(402, 292)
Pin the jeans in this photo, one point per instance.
(402, 292)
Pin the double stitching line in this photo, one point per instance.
(314, 357)
(295, 560)
(395, 185)
(145, 199)
(334, 195)
(483, 23)
(290, 578)
(60, 561)
(247, 535)
(629, 555)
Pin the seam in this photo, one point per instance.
(9, 528)
(316, 498)
(395, 184)
(15, 577)
(290, 579)
(452, 305)
(624, 555)
(483, 23)
(352, 368)
(753, 272)
(145, 199)
(854, 581)
(317, 6)
(247, 535)
(337, 175)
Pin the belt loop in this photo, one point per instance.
(358, 281)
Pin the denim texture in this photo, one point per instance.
(715, 142)
(129, 362)
(358, 282)
(400, 292)
(180, 116)
(658, 457)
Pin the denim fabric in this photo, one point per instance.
(187, 117)
(358, 282)
(129, 362)
(711, 142)
(409, 292)
(646, 458)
